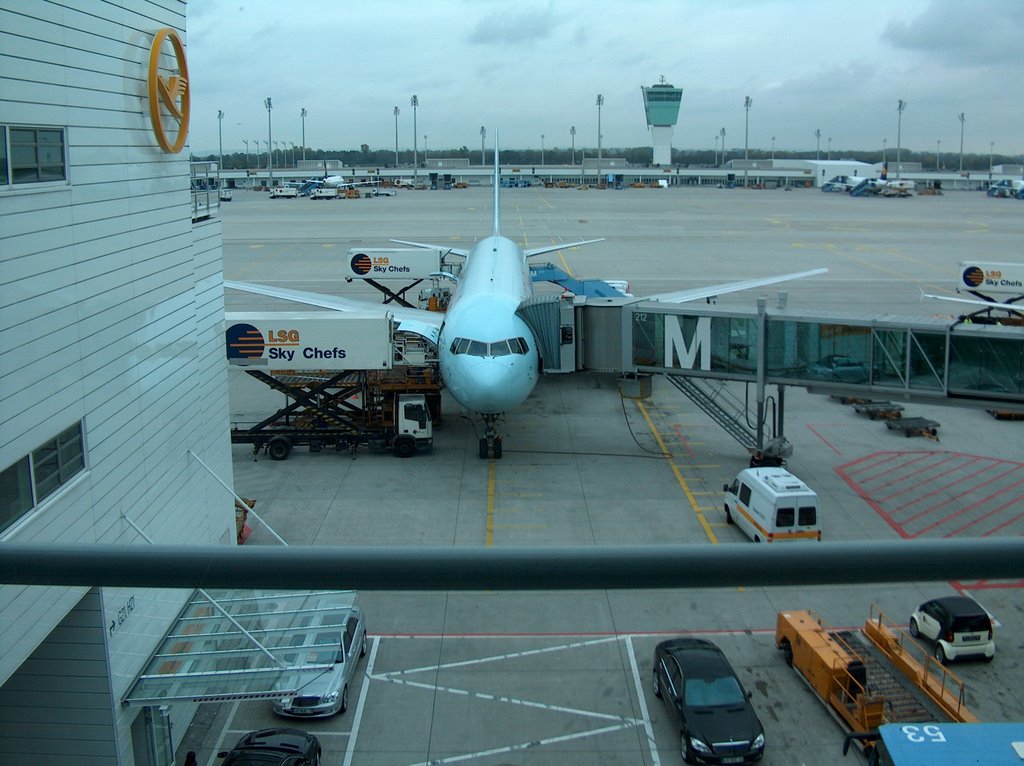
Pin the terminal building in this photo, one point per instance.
(113, 394)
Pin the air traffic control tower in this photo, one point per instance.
(661, 104)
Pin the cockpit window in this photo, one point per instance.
(498, 348)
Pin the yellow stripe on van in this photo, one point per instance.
(772, 536)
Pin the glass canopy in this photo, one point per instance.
(237, 645)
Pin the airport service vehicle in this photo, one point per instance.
(842, 183)
(274, 747)
(321, 416)
(381, 192)
(869, 677)
(324, 192)
(717, 723)
(279, 192)
(327, 694)
(772, 505)
(1006, 188)
(945, 744)
(958, 626)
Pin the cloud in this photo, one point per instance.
(955, 33)
(518, 28)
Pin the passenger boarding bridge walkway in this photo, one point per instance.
(912, 359)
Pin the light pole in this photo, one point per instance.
(426, 153)
(900, 106)
(938, 155)
(396, 136)
(302, 114)
(295, 160)
(961, 117)
(246, 142)
(746, 138)
(722, 133)
(716, 150)
(415, 102)
(600, 103)
(277, 150)
(542, 149)
(483, 135)
(270, 157)
(828, 153)
(817, 151)
(220, 142)
(572, 139)
(773, 148)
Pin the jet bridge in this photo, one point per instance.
(703, 347)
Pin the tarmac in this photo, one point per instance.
(559, 677)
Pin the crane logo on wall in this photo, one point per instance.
(170, 101)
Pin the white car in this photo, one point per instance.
(327, 693)
(958, 626)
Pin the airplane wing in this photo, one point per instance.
(696, 293)
(1016, 307)
(418, 321)
(428, 246)
(562, 246)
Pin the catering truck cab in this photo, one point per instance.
(772, 505)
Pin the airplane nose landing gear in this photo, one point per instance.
(490, 443)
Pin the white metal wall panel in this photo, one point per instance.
(111, 304)
(70, 665)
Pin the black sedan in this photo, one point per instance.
(716, 721)
(274, 747)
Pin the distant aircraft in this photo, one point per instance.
(883, 186)
(488, 355)
(336, 182)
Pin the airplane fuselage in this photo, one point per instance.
(488, 355)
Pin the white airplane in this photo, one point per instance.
(487, 354)
(337, 182)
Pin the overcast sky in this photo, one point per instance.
(528, 68)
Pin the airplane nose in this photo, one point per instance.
(494, 385)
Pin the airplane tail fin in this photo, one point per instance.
(885, 170)
(497, 187)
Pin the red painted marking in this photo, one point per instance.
(902, 472)
(827, 442)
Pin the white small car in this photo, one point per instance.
(958, 626)
(327, 693)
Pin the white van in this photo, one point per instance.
(772, 505)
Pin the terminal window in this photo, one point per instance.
(33, 155)
(38, 475)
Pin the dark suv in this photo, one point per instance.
(270, 747)
(701, 692)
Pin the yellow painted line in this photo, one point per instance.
(489, 533)
(679, 476)
(255, 247)
(328, 244)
